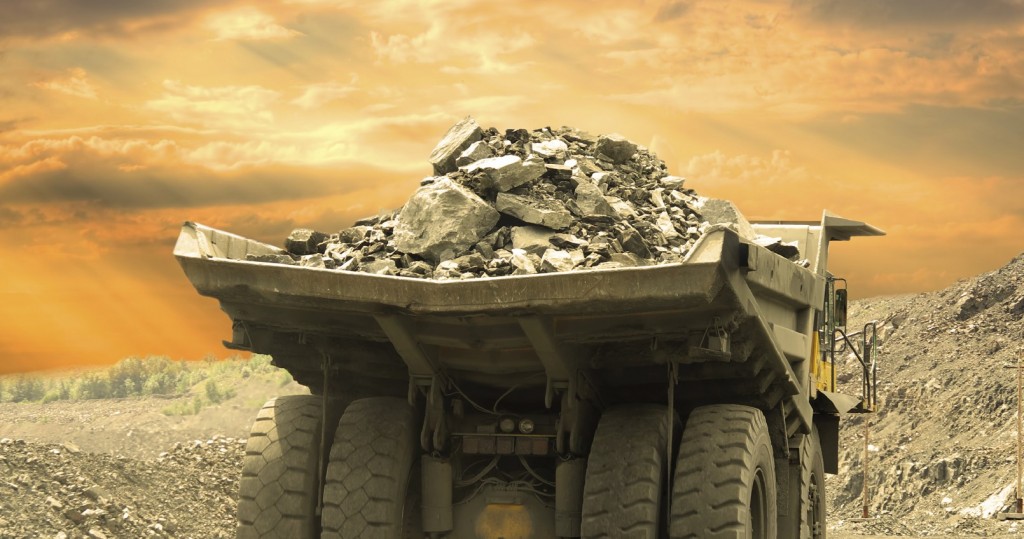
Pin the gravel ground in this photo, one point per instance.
(57, 490)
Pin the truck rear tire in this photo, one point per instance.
(724, 485)
(280, 477)
(368, 472)
(813, 483)
(625, 479)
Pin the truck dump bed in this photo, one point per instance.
(733, 320)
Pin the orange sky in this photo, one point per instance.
(121, 119)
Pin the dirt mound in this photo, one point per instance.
(51, 490)
(941, 455)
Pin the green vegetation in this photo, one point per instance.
(206, 382)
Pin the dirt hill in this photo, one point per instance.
(941, 455)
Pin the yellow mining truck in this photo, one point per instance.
(693, 399)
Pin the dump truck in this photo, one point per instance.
(691, 399)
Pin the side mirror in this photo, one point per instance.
(840, 307)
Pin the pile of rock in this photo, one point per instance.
(525, 202)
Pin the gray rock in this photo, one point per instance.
(304, 241)
(508, 171)
(455, 141)
(523, 263)
(549, 213)
(485, 249)
(313, 261)
(616, 148)
(568, 241)
(623, 208)
(470, 263)
(718, 211)
(442, 220)
(475, 152)
(632, 241)
(449, 269)
(420, 267)
(559, 172)
(787, 250)
(657, 199)
(591, 201)
(380, 267)
(672, 182)
(532, 239)
(665, 225)
(587, 166)
(626, 260)
(550, 148)
(556, 260)
(353, 234)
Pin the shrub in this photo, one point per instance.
(26, 389)
(92, 386)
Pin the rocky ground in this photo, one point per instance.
(125, 467)
(58, 490)
(941, 447)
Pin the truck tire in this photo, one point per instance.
(368, 472)
(724, 484)
(625, 481)
(280, 482)
(812, 482)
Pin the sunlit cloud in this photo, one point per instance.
(460, 49)
(76, 83)
(317, 95)
(227, 107)
(248, 24)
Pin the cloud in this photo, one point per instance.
(317, 95)
(230, 107)
(785, 66)
(10, 217)
(671, 11)
(876, 14)
(107, 18)
(89, 179)
(248, 24)
(462, 49)
(76, 83)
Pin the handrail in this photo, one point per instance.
(865, 355)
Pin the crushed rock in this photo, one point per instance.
(610, 202)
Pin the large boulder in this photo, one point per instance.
(549, 213)
(719, 211)
(591, 201)
(507, 171)
(442, 220)
(616, 148)
(458, 138)
(304, 241)
(532, 239)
